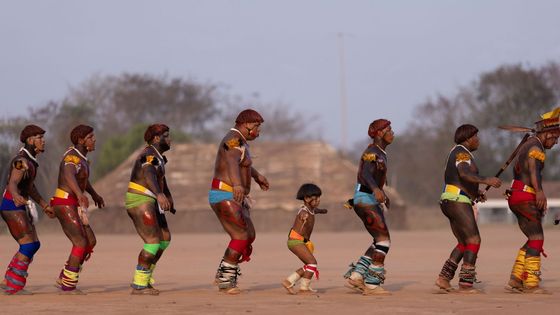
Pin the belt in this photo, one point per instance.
(364, 189)
(7, 195)
(519, 185)
(218, 184)
(141, 188)
(455, 190)
(59, 193)
(296, 236)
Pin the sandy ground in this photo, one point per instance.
(186, 271)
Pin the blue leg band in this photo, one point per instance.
(29, 249)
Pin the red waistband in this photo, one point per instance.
(519, 185)
(7, 195)
(518, 195)
(70, 201)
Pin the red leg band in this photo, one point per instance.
(243, 247)
(16, 275)
(537, 245)
(78, 252)
(313, 269)
(88, 252)
(473, 248)
(460, 247)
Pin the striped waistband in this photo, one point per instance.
(519, 185)
(59, 193)
(448, 188)
(140, 188)
(218, 184)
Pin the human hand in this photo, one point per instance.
(493, 181)
(98, 200)
(49, 211)
(163, 202)
(83, 201)
(238, 193)
(19, 200)
(262, 181)
(541, 200)
(379, 195)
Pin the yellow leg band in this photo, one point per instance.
(141, 278)
(532, 271)
(152, 280)
(519, 266)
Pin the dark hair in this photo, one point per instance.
(377, 125)
(80, 132)
(154, 130)
(249, 116)
(464, 132)
(30, 131)
(308, 190)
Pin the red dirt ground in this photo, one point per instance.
(185, 273)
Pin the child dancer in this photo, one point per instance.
(298, 239)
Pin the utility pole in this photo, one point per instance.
(343, 99)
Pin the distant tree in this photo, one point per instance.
(281, 122)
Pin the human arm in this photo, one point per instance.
(534, 166)
(34, 194)
(232, 157)
(97, 199)
(69, 172)
(260, 179)
(16, 175)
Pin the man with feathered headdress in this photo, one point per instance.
(527, 201)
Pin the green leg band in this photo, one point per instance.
(152, 248)
(164, 244)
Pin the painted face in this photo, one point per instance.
(253, 130)
(388, 134)
(89, 142)
(38, 142)
(165, 141)
(312, 202)
(551, 139)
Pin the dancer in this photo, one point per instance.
(71, 205)
(299, 239)
(456, 202)
(147, 199)
(368, 274)
(19, 212)
(229, 196)
(526, 199)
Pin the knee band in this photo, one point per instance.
(536, 246)
(152, 248)
(243, 247)
(163, 245)
(473, 248)
(29, 249)
(460, 247)
(383, 246)
(78, 252)
(312, 268)
(88, 252)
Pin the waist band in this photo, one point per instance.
(454, 190)
(7, 195)
(218, 184)
(296, 236)
(140, 188)
(62, 198)
(363, 188)
(517, 185)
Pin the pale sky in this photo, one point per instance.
(398, 53)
